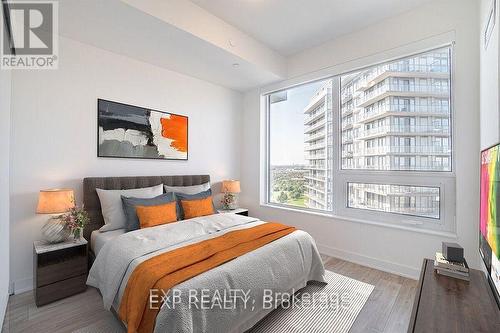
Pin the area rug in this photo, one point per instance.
(319, 307)
(328, 308)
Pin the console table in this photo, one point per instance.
(444, 304)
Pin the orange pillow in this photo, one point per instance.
(199, 207)
(150, 216)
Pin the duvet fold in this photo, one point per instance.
(168, 269)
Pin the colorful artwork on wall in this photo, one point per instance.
(489, 219)
(128, 131)
(490, 198)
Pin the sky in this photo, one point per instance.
(287, 125)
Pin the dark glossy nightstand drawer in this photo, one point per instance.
(59, 290)
(61, 271)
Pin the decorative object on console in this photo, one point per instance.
(454, 269)
(129, 131)
(55, 201)
(230, 188)
(453, 252)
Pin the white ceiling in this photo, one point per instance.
(205, 42)
(290, 26)
(117, 27)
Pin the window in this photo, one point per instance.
(376, 143)
(300, 132)
(407, 200)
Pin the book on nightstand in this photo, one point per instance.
(457, 270)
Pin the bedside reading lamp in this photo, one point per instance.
(230, 188)
(55, 201)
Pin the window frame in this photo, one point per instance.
(444, 180)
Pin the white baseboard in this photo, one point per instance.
(22, 285)
(386, 266)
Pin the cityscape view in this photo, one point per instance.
(394, 116)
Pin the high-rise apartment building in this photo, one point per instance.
(394, 116)
(318, 131)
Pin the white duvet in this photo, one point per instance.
(284, 265)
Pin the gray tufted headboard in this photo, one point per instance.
(93, 205)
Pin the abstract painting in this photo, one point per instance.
(489, 219)
(135, 132)
(490, 198)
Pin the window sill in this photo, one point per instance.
(447, 234)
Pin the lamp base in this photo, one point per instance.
(233, 206)
(55, 231)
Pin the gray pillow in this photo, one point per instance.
(197, 196)
(129, 204)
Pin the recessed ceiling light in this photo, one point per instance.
(236, 65)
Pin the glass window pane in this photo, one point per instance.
(400, 199)
(300, 146)
(403, 109)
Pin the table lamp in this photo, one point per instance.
(55, 201)
(230, 188)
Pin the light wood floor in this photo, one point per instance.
(387, 310)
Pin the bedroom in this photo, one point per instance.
(244, 79)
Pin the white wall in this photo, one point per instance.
(390, 249)
(5, 92)
(55, 120)
(490, 116)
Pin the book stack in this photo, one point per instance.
(457, 270)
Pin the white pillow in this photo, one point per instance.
(112, 208)
(194, 189)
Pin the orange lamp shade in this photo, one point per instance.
(231, 186)
(55, 201)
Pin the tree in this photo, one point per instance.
(296, 194)
(282, 197)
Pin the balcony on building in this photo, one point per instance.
(403, 90)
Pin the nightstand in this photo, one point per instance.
(239, 211)
(59, 270)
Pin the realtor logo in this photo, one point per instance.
(29, 35)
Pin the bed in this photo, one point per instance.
(281, 266)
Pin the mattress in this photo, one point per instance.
(98, 239)
(284, 265)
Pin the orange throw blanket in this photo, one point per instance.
(171, 268)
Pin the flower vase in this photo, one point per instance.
(78, 234)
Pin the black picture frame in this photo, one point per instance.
(99, 155)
